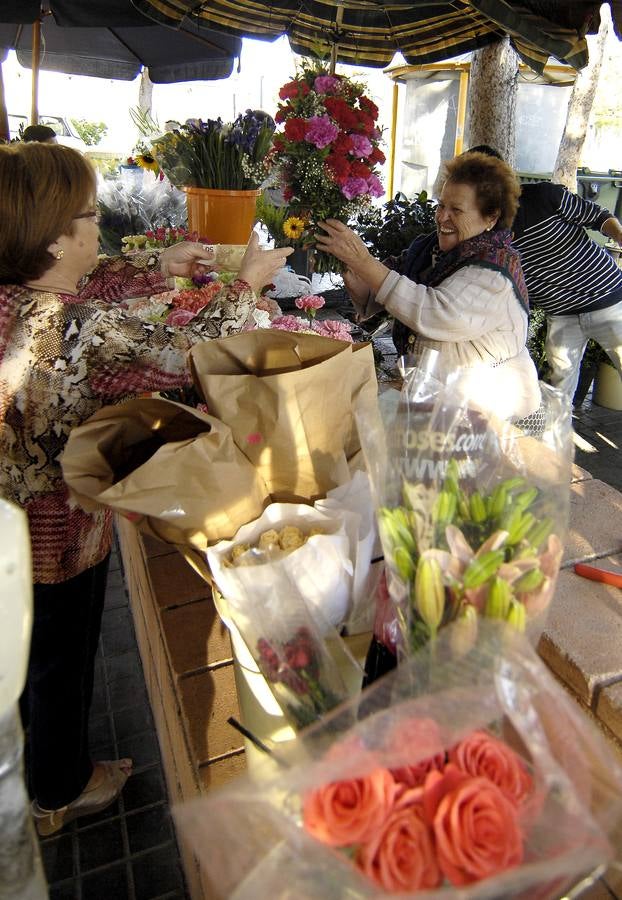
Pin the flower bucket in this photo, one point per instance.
(607, 387)
(222, 217)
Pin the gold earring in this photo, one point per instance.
(59, 253)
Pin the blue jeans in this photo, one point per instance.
(567, 337)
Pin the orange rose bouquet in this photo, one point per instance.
(470, 777)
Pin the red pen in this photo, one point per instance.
(595, 574)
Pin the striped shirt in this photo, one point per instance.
(566, 271)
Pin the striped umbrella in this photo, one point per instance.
(370, 32)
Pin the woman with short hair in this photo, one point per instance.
(63, 357)
(459, 291)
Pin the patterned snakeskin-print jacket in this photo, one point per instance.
(63, 357)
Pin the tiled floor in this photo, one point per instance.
(127, 852)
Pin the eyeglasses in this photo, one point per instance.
(91, 214)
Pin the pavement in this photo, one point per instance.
(598, 439)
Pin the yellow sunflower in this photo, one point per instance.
(146, 161)
(294, 227)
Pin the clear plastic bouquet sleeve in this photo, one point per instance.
(472, 510)
(286, 585)
(291, 834)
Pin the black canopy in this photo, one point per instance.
(370, 32)
(112, 39)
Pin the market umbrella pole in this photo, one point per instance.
(333, 49)
(4, 115)
(36, 59)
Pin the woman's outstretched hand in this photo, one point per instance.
(260, 266)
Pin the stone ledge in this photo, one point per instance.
(582, 640)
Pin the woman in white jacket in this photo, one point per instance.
(460, 290)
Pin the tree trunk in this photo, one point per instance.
(579, 108)
(492, 99)
(145, 92)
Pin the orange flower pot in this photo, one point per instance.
(221, 217)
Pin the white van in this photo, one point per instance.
(65, 133)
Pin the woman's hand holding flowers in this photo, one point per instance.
(342, 242)
(182, 259)
(260, 266)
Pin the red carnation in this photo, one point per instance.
(278, 145)
(369, 107)
(365, 123)
(359, 170)
(339, 166)
(295, 129)
(294, 89)
(377, 156)
(282, 113)
(287, 193)
(342, 143)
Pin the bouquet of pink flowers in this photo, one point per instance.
(327, 152)
(337, 329)
(476, 777)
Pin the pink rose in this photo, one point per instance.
(179, 316)
(483, 755)
(349, 812)
(401, 856)
(423, 738)
(476, 831)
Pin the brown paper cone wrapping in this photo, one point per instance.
(289, 400)
(173, 465)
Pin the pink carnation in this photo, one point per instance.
(354, 187)
(321, 131)
(289, 323)
(326, 84)
(179, 316)
(374, 186)
(338, 331)
(310, 301)
(361, 146)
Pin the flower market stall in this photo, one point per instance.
(350, 579)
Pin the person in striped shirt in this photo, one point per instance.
(573, 278)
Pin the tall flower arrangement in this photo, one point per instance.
(327, 150)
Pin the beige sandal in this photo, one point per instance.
(103, 788)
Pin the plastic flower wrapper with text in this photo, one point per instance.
(472, 510)
(471, 777)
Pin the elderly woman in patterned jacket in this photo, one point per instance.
(63, 355)
(460, 290)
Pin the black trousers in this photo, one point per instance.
(57, 697)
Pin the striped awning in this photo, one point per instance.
(370, 32)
